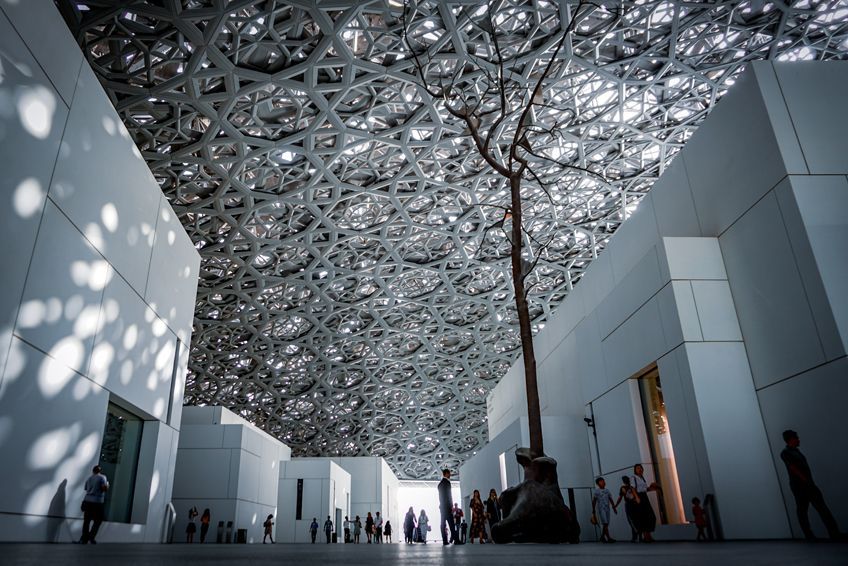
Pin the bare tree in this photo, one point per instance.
(500, 98)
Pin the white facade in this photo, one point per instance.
(730, 276)
(229, 466)
(373, 487)
(96, 293)
(326, 491)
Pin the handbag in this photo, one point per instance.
(593, 519)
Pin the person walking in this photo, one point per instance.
(408, 526)
(387, 531)
(369, 527)
(93, 505)
(424, 527)
(646, 518)
(378, 529)
(601, 504)
(328, 529)
(313, 528)
(631, 506)
(268, 524)
(804, 489)
(191, 528)
(357, 528)
(493, 511)
(445, 509)
(478, 517)
(205, 520)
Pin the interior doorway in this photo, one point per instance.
(669, 498)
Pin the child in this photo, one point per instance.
(268, 524)
(387, 531)
(602, 500)
(700, 518)
(463, 531)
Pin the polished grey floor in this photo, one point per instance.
(707, 554)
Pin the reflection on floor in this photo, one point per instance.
(725, 554)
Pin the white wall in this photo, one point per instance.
(326, 487)
(730, 276)
(373, 487)
(229, 466)
(82, 317)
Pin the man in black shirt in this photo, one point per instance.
(446, 508)
(806, 492)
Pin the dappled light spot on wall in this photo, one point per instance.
(95, 235)
(54, 375)
(148, 232)
(109, 217)
(159, 408)
(86, 323)
(154, 485)
(49, 449)
(38, 504)
(111, 310)
(101, 359)
(164, 360)
(36, 106)
(94, 275)
(253, 519)
(82, 388)
(15, 363)
(130, 338)
(73, 306)
(108, 125)
(172, 237)
(152, 380)
(28, 197)
(159, 327)
(126, 371)
(32, 314)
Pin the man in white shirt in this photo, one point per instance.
(378, 529)
(93, 504)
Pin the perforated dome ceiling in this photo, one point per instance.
(348, 303)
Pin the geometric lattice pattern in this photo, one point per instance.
(351, 299)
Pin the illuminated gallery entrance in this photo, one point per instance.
(669, 500)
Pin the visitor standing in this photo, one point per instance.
(378, 529)
(408, 525)
(457, 514)
(424, 526)
(700, 518)
(804, 489)
(357, 528)
(191, 528)
(268, 524)
(478, 517)
(493, 511)
(387, 531)
(646, 518)
(463, 529)
(205, 520)
(369, 527)
(328, 529)
(313, 529)
(631, 506)
(93, 505)
(445, 509)
(601, 504)
(347, 529)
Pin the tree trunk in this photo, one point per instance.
(534, 414)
